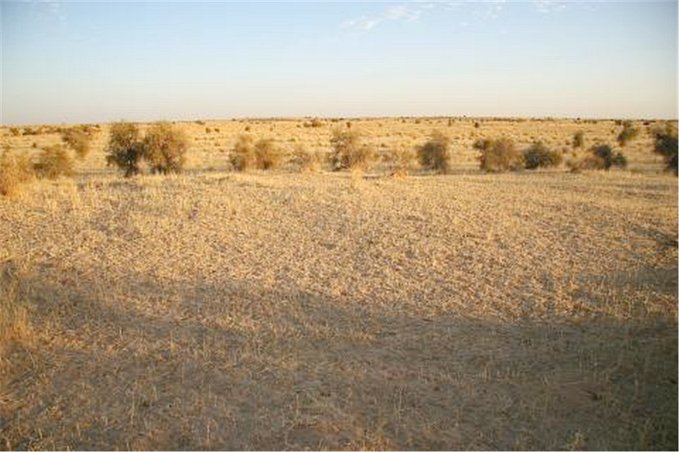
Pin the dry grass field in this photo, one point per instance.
(280, 310)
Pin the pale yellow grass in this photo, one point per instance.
(216, 310)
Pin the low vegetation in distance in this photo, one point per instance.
(165, 147)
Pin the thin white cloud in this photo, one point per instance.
(549, 6)
(406, 13)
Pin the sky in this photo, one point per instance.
(79, 62)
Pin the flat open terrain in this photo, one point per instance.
(217, 310)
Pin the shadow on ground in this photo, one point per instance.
(233, 366)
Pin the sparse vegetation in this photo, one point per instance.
(248, 154)
(146, 289)
(125, 149)
(79, 139)
(348, 152)
(578, 139)
(267, 154)
(315, 122)
(53, 162)
(307, 161)
(15, 171)
(401, 159)
(164, 148)
(628, 133)
(608, 157)
(242, 156)
(14, 323)
(498, 155)
(540, 156)
(435, 153)
(666, 145)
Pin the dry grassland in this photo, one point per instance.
(275, 310)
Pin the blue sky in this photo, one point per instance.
(96, 61)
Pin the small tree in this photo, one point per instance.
(125, 149)
(628, 133)
(608, 158)
(499, 155)
(435, 153)
(540, 156)
(666, 145)
(164, 147)
(348, 152)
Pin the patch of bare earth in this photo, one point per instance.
(224, 311)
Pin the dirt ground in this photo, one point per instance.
(275, 310)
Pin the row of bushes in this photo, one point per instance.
(163, 149)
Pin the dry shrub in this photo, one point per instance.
(435, 153)
(608, 157)
(348, 152)
(125, 148)
(79, 139)
(540, 156)
(14, 323)
(578, 139)
(628, 133)
(267, 154)
(53, 162)
(401, 160)
(482, 144)
(307, 161)
(314, 123)
(589, 162)
(602, 157)
(499, 155)
(164, 148)
(248, 154)
(15, 170)
(666, 145)
(242, 156)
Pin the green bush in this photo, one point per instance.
(666, 145)
(164, 148)
(125, 149)
(435, 153)
(499, 155)
(53, 162)
(540, 156)
(348, 152)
